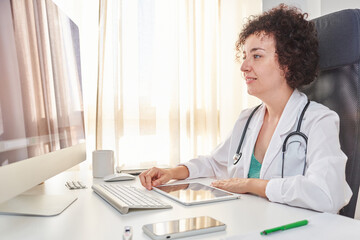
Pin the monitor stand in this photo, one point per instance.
(37, 205)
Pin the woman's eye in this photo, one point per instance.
(257, 56)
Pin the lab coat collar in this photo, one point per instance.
(291, 112)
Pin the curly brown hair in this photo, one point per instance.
(296, 42)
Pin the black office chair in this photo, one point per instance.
(338, 86)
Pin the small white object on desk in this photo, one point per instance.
(102, 163)
(74, 185)
(119, 177)
(127, 233)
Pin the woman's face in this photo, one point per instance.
(262, 73)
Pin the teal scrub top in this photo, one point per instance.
(255, 167)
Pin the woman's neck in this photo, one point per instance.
(275, 105)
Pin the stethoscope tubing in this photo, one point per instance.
(238, 154)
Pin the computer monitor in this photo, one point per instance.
(41, 107)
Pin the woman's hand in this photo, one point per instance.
(242, 185)
(154, 177)
(157, 176)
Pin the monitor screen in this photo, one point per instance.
(41, 105)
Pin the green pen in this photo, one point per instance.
(285, 227)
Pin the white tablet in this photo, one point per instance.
(194, 193)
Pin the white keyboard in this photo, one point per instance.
(124, 197)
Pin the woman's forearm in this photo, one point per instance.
(257, 186)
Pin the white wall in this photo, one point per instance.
(329, 6)
(312, 7)
(315, 8)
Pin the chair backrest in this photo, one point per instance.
(338, 86)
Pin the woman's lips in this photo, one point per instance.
(250, 79)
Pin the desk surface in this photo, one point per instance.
(90, 217)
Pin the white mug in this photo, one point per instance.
(102, 163)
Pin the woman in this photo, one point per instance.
(279, 50)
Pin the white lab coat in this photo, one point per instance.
(322, 188)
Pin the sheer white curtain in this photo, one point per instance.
(161, 98)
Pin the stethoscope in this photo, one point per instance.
(297, 132)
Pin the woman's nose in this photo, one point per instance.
(245, 67)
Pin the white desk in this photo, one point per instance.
(90, 217)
